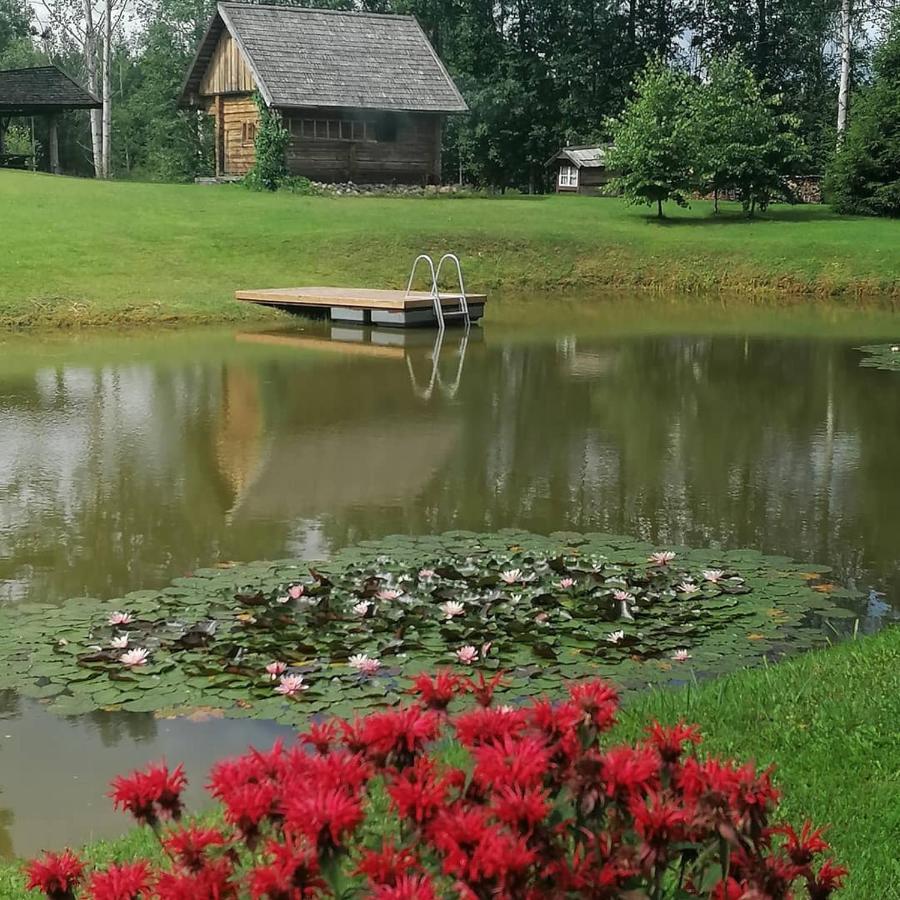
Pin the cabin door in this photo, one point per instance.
(220, 135)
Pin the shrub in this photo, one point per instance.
(525, 803)
(271, 142)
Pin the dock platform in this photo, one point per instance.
(364, 306)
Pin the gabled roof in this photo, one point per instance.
(583, 157)
(41, 89)
(329, 58)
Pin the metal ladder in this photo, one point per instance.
(437, 381)
(439, 313)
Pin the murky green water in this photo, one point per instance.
(126, 461)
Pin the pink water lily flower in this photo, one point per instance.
(681, 656)
(615, 636)
(364, 664)
(452, 608)
(276, 669)
(688, 587)
(623, 596)
(467, 654)
(511, 576)
(295, 591)
(389, 594)
(566, 583)
(663, 558)
(120, 642)
(362, 608)
(291, 685)
(120, 618)
(426, 574)
(134, 658)
(713, 575)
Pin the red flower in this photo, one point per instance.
(326, 817)
(150, 795)
(598, 701)
(385, 867)
(56, 874)
(521, 762)
(230, 774)
(829, 879)
(321, 736)
(437, 692)
(669, 742)
(189, 846)
(661, 823)
(337, 769)
(730, 889)
(292, 874)
(246, 807)
(212, 882)
(628, 771)
(417, 793)
(129, 881)
(407, 887)
(483, 691)
(559, 724)
(486, 725)
(520, 807)
(398, 736)
(803, 847)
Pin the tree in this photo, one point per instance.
(865, 175)
(655, 146)
(745, 143)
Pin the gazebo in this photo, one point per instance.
(40, 91)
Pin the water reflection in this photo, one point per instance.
(129, 464)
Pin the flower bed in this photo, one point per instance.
(527, 803)
(283, 640)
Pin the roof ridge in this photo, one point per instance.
(355, 13)
(32, 69)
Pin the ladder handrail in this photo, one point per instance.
(463, 300)
(435, 289)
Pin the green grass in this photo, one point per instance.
(829, 720)
(80, 252)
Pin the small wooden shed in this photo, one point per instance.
(40, 91)
(580, 170)
(363, 95)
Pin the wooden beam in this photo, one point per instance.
(354, 298)
(53, 141)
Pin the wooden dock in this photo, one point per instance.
(364, 305)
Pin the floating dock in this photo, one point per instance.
(365, 306)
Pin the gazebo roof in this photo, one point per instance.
(43, 89)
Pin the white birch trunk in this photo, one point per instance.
(90, 67)
(844, 89)
(107, 89)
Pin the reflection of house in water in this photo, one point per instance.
(361, 440)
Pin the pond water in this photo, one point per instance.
(128, 460)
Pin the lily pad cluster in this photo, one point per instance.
(882, 356)
(283, 640)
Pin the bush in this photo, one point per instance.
(272, 138)
(525, 803)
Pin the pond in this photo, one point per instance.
(127, 461)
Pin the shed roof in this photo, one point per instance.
(584, 157)
(40, 90)
(304, 58)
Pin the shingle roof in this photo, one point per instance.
(328, 58)
(41, 89)
(583, 157)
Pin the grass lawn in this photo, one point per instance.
(86, 252)
(829, 720)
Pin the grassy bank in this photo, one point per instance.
(78, 252)
(829, 720)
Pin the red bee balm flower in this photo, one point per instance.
(803, 847)
(399, 736)
(130, 881)
(190, 845)
(670, 742)
(150, 795)
(436, 693)
(56, 874)
(385, 867)
(829, 879)
(292, 874)
(324, 817)
(408, 887)
(598, 701)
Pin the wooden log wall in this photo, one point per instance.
(227, 72)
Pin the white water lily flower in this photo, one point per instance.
(364, 664)
(361, 608)
(291, 685)
(452, 608)
(120, 618)
(615, 636)
(713, 575)
(688, 587)
(134, 658)
(663, 558)
(623, 596)
(511, 576)
(389, 594)
(120, 642)
(566, 583)
(427, 574)
(681, 656)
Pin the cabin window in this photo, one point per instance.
(568, 176)
(387, 129)
(248, 132)
(334, 129)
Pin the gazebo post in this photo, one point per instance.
(53, 140)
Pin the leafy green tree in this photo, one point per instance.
(865, 175)
(654, 141)
(746, 145)
(16, 48)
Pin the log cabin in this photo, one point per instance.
(363, 95)
(580, 170)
